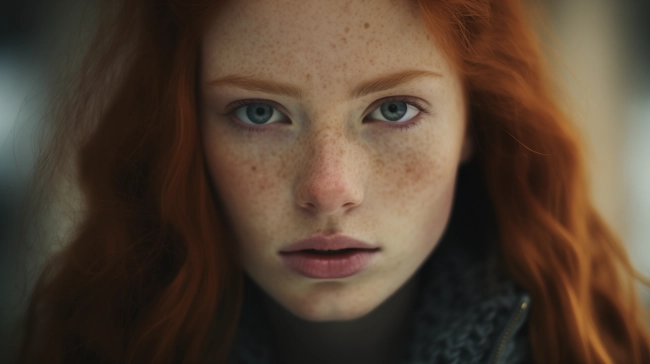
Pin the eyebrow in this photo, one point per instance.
(365, 88)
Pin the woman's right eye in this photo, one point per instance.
(256, 113)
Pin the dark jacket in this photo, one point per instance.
(468, 311)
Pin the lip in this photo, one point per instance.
(336, 265)
(321, 266)
(328, 242)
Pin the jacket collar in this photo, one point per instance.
(468, 311)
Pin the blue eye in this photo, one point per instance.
(395, 110)
(257, 113)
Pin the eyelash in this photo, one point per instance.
(401, 126)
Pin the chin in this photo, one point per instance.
(329, 314)
(328, 306)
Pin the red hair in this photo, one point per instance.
(151, 275)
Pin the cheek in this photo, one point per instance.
(417, 183)
(247, 187)
(419, 174)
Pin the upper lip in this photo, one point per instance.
(327, 242)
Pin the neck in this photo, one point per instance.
(377, 337)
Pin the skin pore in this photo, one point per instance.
(330, 159)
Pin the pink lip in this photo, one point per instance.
(327, 242)
(338, 265)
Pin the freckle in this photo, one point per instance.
(345, 40)
(308, 76)
(366, 25)
(253, 168)
(347, 29)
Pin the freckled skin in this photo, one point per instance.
(325, 168)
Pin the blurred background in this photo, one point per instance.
(601, 51)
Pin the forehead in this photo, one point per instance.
(322, 43)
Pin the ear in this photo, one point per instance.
(467, 149)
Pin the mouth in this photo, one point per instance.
(329, 263)
(327, 244)
(317, 252)
(330, 252)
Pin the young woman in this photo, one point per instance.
(328, 182)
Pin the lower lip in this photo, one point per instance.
(328, 266)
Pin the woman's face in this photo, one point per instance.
(338, 144)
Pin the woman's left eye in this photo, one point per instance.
(396, 111)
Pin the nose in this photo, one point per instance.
(329, 183)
